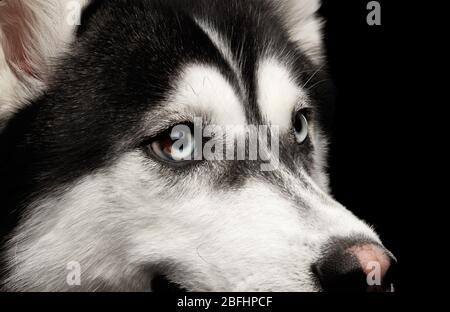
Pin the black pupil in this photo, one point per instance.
(298, 124)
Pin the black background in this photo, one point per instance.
(366, 167)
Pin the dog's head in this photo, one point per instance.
(93, 178)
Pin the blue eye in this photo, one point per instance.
(174, 145)
(301, 127)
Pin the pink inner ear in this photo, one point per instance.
(15, 22)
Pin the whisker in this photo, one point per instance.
(312, 76)
(316, 84)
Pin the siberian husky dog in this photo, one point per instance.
(95, 196)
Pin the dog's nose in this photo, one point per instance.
(349, 265)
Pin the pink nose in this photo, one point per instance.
(371, 257)
(355, 265)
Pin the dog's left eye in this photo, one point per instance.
(301, 127)
(174, 145)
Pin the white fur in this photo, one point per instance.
(202, 90)
(279, 96)
(303, 25)
(123, 224)
(12, 90)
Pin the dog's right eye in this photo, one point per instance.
(175, 145)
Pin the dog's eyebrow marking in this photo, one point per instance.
(203, 89)
(278, 93)
(221, 44)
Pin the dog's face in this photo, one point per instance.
(92, 178)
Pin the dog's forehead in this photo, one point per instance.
(235, 64)
(244, 87)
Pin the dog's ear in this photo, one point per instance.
(304, 25)
(32, 34)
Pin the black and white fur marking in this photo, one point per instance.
(76, 185)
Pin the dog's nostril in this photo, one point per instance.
(350, 266)
(160, 283)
